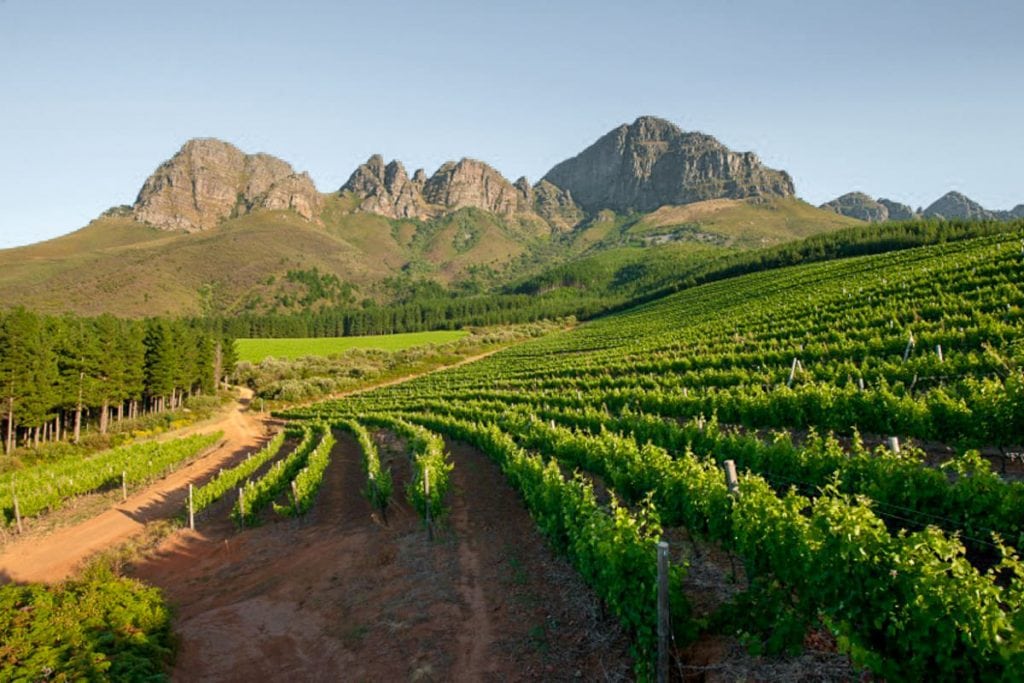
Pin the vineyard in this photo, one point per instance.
(857, 399)
(46, 487)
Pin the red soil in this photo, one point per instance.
(341, 596)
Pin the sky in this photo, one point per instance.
(900, 99)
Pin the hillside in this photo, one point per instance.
(736, 223)
(215, 230)
(120, 266)
(653, 405)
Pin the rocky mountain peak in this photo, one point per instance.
(467, 183)
(555, 205)
(209, 180)
(386, 190)
(652, 162)
(897, 211)
(472, 183)
(858, 205)
(956, 205)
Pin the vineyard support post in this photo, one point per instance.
(295, 497)
(792, 372)
(894, 444)
(938, 351)
(663, 613)
(124, 486)
(241, 507)
(17, 509)
(191, 510)
(910, 345)
(730, 477)
(426, 496)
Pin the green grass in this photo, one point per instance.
(255, 350)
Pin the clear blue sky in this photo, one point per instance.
(899, 99)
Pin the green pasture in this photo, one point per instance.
(255, 350)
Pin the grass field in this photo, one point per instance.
(255, 350)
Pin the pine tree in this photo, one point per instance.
(19, 346)
(161, 364)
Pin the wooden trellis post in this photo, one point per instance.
(241, 507)
(17, 510)
(426, 494)
(664, 626)
(730, 477)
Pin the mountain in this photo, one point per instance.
(862, 207)
(858, 205)
(952, 205)
(897, 211)
(1015, 212)
(209, 180)
(388, 191)
(956, 205)
(217, 230)
(653, 163)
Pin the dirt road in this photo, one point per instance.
(54, 557)
(340, 596)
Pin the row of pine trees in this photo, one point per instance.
(59, 373)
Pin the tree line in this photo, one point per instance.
(447, 313)
(58, 373)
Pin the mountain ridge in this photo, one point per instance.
(652, 163)
(217, 230)
(952, 205)
(208, 181)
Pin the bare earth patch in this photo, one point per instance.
(340, 596)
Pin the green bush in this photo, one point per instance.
(99, 628)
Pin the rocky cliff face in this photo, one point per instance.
(951, 205)
(897, 211)
(858, 205)
(472, 183)
(652, 163)
(208, 181)
(388, 191)
(554, 205)
(956, 205)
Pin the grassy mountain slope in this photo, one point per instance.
(615, 254)
(741, 223)
(249, 264)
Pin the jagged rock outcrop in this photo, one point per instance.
(858, 205)
(956, 205)
(897, 211)
(296, 192)
(555, 205)
(651, 163)
(209, 180)
(1013, 214)
(472, 183)
(387, 190)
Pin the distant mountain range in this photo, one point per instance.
(217, 230)
(950, 205)
(634, 168)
